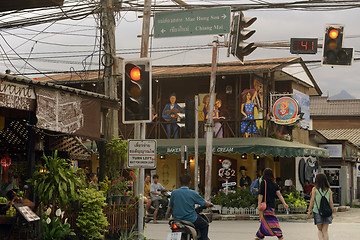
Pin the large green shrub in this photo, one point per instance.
(56, 181)
(294, 199)
(91, 219)
(241, 198)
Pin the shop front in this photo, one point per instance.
(234, 159)
(340, 169)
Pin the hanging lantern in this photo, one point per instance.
(5, 163)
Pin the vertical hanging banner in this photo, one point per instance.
(67, 113)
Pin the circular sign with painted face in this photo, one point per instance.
(285, 111)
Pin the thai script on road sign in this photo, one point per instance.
(208, 21)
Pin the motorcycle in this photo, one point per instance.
(164, 210)
(185, 230)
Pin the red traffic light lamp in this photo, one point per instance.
(136, 90)
(333, 33)
(333, 52)
(135, 73)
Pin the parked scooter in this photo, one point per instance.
(164, 210)
(186, 229)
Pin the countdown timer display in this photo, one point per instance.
(303, 45)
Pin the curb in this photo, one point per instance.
(281, 217)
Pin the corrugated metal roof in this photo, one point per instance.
(159, 72)
(321, 106)
(352, 135)
(22, 80)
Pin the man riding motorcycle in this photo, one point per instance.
(183, 202)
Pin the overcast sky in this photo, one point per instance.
(276, 25)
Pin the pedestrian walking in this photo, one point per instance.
(321, 202)
(269, 190)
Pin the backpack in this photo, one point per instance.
(325, 208)
(254, 187)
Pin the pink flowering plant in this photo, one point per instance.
(122, 186)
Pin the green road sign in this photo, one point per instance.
(209, 21)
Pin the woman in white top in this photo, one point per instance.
(322, 188)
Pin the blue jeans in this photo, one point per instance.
(175, 130)
(202, 226)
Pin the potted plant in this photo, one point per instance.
(118, 188)
(92, 220)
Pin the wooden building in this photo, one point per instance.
(269, 78)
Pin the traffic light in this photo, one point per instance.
(333, 52)
(136, 90)
(239, 48)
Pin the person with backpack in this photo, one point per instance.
(255, 185)
(269, 190)
(322, 205)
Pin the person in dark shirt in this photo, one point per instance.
(269, 190)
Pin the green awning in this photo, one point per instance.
(256, 145)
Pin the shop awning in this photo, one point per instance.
(258, 146)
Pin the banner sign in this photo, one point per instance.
(17, 96)
(67, 113)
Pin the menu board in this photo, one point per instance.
(26, 212)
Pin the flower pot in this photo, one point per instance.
(116, 199)
(126, 199)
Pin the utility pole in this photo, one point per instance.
(110, 85)
(196, 182)
(209, 126)
(141, 128)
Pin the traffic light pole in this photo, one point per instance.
(209, 126)
(140, 129)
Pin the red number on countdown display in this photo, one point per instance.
(304, 45)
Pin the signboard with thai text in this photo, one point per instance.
(207, 21)
(142, 153)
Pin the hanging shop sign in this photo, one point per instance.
(286, 111)
(63, 112)
(17, 96)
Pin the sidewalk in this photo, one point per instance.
(350, 215)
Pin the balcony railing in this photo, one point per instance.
(222, 129)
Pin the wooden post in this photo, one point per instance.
(209, 127)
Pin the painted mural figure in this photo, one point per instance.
(219, 133)
(247, 109)
(245, 180)
(170, 114)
